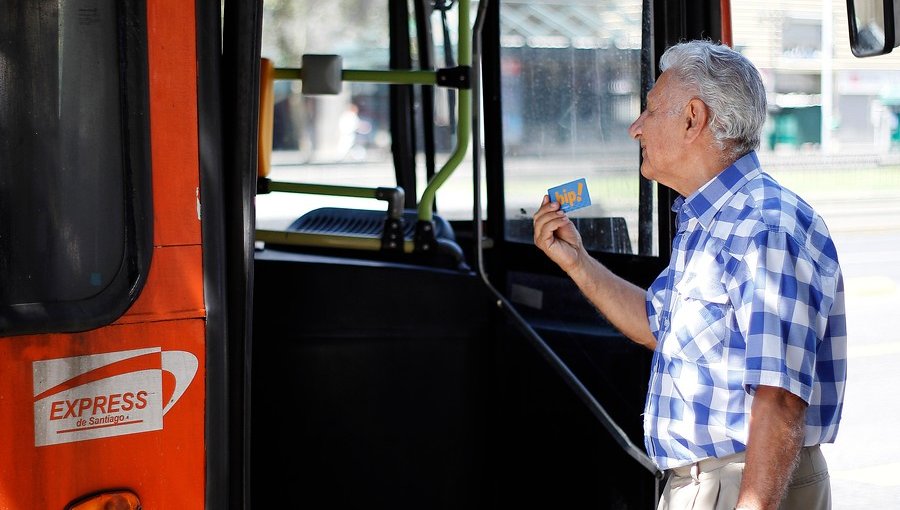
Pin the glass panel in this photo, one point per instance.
(62, 230)
(343, 139)
(801, 38)
(571, 88)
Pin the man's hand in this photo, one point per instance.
(621, 302)
(556, 236)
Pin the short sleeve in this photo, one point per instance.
(782, 313)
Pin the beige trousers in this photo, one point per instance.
(714, 484)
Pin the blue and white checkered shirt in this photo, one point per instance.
(753, 295)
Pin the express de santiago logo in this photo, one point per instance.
(105, 395)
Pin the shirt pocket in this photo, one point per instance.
(698, 328)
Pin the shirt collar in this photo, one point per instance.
(704, 203)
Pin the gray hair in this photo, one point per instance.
(730, 86)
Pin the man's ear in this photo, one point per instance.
(697, 115)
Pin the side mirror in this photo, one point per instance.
(873, 26)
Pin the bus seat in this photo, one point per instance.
(335, 227)
(340, 221)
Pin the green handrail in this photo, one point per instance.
(391, 76)
(464, 124)
(393, 196)
(323, 189)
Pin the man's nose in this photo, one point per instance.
(634, 130)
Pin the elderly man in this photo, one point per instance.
(747, 321)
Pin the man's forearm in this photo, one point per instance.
(776, 436)
(618, 300)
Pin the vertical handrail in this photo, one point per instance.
(464, 122)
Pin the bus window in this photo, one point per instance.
(340, 139)
(570, 88)
(74, 163)
(344, 139)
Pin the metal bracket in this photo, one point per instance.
(459, 77)
(262, 185)
(425, 241)
(392, 234)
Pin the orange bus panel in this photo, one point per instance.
(122, 408)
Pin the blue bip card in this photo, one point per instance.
(571, 195)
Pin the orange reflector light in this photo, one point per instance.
(117, 500)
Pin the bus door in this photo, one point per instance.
(479, 377)
(562, 82)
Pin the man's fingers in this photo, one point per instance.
(546, 205)
(546, 225)
(542, 217)
(547, 221)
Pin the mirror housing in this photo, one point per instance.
(873, 25)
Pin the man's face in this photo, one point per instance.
(659, 129)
